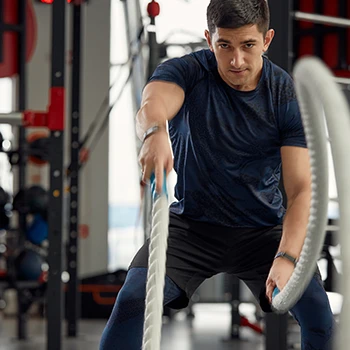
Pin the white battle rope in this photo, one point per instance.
(311, 80)
(314, 75)
(156, 271)
(317, 90)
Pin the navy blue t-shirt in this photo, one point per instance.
(227, 143)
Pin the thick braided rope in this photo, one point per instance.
(308, 83)
(315, 76)
(317, 89)
(156, 273)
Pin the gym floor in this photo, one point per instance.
(207, 331)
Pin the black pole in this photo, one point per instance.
(276, 331)
(319, 33)
(343, 38)
(280, 51)
(233, 284)
(2, 31)
(22, 48)
(153, 60)
(55, 217)
(73, 295)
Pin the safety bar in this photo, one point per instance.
(26, 119)
(340, 80)
(11, 118)
(322, 19)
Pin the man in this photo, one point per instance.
(233, 122)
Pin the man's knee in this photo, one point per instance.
(314, 315)
(134, 287)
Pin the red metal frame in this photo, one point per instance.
(54, 118)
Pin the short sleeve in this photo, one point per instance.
(291, 126)
(184, 71)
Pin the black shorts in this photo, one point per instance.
(197, 251)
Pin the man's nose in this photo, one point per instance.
(237, 60)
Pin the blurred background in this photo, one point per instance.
(98, 221)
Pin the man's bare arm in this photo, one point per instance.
(160, 102)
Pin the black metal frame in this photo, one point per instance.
(73, 293)
(22, 168)
(153, 59)
(319, 31)
(21, 105)
(56, 126)
(233, 284)
(55, 217)
(343, 38)
(276, 331)
(281, 50)
(319, 36)
(287, 39)
(2, 29)
(281, 53)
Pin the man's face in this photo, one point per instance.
(238, 54)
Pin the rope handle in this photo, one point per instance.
(153, 186)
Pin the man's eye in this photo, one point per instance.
(249, 46)
(223, 46)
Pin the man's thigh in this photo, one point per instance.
(256, 279)
(194, 254)
(255, 262)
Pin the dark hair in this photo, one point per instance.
(238, 13)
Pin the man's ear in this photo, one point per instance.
(208, 37)
(268, 39)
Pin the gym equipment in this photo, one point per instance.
(4, 220)
(315, 83)
(39, 146)
(53, 119)
(20, 202)
(1, 142)
(9, 51)
(34, 200)
(38, 200)
(275, 292)
(29, 265)
(98, 294)
(156, 269)
(315, 131)
(153, 9)
(4, 198)
(5, 209)
(321, 30)
(159, 232)
(255, 327)
(37, 232)
(316, 18)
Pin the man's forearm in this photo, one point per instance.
(295, 224)
(161, 101)
(147, 117)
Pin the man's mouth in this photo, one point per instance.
(237, 71)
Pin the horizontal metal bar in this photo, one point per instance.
(15, 118)
(332, 228)
(322, 19)
(13, 27)
(342, 80)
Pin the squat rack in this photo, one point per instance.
(21, 103)
(53, 119)
(284, 18)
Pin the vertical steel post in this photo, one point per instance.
(73, 295)
(55, 217)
